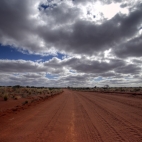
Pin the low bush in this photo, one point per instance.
(5, 97)
(26, 102)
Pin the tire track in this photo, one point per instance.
(48, 128)
(109, 130)
(23, 128)
(75, 117)
(127, 128)
(133, 114)
(89, 129)
(113, 112)
(121, 99)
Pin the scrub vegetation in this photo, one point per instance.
(107, 89)
(17, 92)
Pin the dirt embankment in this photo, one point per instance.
(18, 104)
(76, 117)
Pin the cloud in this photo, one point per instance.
(138, 61)
(70, 71)
(34, 75)
(17, 27)
(69, 65)
(61, 28)
(103, 1)
(131, 48)
(23, 80)
(61, 14)
(20, 66)
(70, 27)
(89, 38)
(129, 69)
(84, 65)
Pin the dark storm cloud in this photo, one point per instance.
(137, 61)
(33, 75)
(123, 5)
(102, 68)
(97, 67)
(115, 82)
(108, 74)
(19, 66)
(84, 65)
(61, 14)
(88, 38)
(17, 28)
(132, 48)
(57, 66)
(62, 30)
(14, 21)
(129, 69)
(76, 78)
(27, 66)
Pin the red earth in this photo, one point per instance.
(74, 116)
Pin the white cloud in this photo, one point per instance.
(69, 71)
(96, 37)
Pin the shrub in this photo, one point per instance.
(26, 102)
(5, 97)
(137, 89)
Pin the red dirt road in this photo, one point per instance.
(76, 117)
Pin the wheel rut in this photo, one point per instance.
(76, 117)
(89, 131)
(126, 129)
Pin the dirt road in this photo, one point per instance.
(77, 117)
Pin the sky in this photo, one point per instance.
(77, 43)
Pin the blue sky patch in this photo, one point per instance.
(44, 6)
(50, 76)
(98, 78)
(7, 52)
(72, 71)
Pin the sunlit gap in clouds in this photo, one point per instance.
(98, 11)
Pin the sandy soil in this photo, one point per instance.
(76, 117)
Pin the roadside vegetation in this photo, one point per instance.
(16, 92)
(17, 98)
(107, 89)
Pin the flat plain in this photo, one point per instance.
(76, 116)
